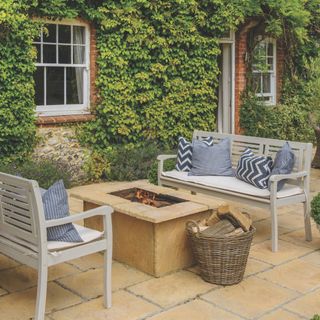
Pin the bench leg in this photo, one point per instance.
(307, 222)
(41, 292)
(274, 228)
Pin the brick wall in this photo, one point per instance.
(240, 67)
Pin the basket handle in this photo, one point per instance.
(192, 223)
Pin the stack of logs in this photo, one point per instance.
(226, 221)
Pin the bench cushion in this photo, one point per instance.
(231, 184)
(184, 157)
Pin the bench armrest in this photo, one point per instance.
(163, 157)
(292, 176)
(100, 211)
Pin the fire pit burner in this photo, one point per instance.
(150, 198)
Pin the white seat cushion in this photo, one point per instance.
(232, 184)
(86, 234)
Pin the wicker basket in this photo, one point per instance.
(222, 260)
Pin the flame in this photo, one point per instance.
(146, 197)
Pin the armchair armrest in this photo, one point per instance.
(163, 157)
(292, 176)
(100, 211)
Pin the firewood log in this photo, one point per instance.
(213, 219)
(219, 229)
(236, 217)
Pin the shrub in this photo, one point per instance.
(284, 121)
(46, 172)
(315, 208)
(153, 172)
(122, 162)
(315, 317)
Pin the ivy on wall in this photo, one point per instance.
(17, 128)
(157, 63)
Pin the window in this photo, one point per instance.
(264, 70)
(61, 77)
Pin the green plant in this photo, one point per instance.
(122, 162)
(287, 121)
(315, 317)
(315, 208)
(153, 172)
(17, 56)
(46, 172)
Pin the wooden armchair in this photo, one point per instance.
(23, 235)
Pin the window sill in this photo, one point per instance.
(56, 120)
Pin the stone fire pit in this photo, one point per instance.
(148, 238)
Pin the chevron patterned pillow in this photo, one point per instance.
(253, 169)
(184, 157)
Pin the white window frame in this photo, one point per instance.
(68, 109)
(272, 96)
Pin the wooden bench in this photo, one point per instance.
(296, 190)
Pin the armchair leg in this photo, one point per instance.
(307, 222)
(41, 292)
(107, 278)
(274, 228)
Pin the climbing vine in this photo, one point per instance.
(157, 62)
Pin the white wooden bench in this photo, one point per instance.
(296, 190)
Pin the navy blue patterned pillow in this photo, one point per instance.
(253, 169)
(184, 157)
(283, 163)
(55, 204)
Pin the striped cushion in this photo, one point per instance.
(253, 169)
(184, 158)
(55, 204)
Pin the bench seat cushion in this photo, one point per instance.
(231, 184)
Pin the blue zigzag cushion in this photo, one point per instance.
(55, 205)
(184, 157)
(253, 169)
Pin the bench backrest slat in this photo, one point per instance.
(261, 146)
(21, 210)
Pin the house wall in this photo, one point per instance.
(240, 67)
(60, 144)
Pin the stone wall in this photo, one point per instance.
(60, 144)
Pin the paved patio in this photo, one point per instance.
(282, 285)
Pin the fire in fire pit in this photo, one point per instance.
(150, 198)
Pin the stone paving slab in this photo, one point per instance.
(251, 298)
(21, 305)
(172, 289)
(196, 309)
(307, 305)
(126, 306)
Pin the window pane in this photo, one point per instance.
(78, 54)
(49, 53)
(64, 54)
(78, 35)
(75, 85)
(256, 81)
(37, 38)
(39, 86)
(270, 49)
(55, 86)
(51, 35)
(266, 79)
(64, 34)
(270, 64)
(38, 48)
